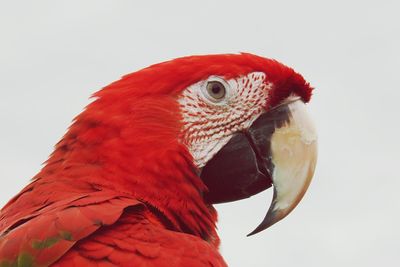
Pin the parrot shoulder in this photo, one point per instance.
(101, 229)
(43, 237)
(139, 239)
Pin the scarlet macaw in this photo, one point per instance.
(133, 180)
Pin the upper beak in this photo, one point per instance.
(280, 148)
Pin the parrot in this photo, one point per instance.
(134, 180)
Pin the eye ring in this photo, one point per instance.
(216, 90)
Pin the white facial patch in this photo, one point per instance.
(209, 125)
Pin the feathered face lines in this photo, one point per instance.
(208, 124)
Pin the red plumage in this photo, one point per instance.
(120, 189)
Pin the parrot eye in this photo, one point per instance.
(216, 90)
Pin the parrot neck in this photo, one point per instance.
(140, 158)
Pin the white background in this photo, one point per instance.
(55, 54)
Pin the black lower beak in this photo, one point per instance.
(245, 166)
(235, 173)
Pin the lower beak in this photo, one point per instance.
(280, 148)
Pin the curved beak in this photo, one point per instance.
(279, 149)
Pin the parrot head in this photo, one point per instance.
(250, 130)
(199, 130)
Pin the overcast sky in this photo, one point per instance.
(55, 54)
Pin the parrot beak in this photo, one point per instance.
(279, 149)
